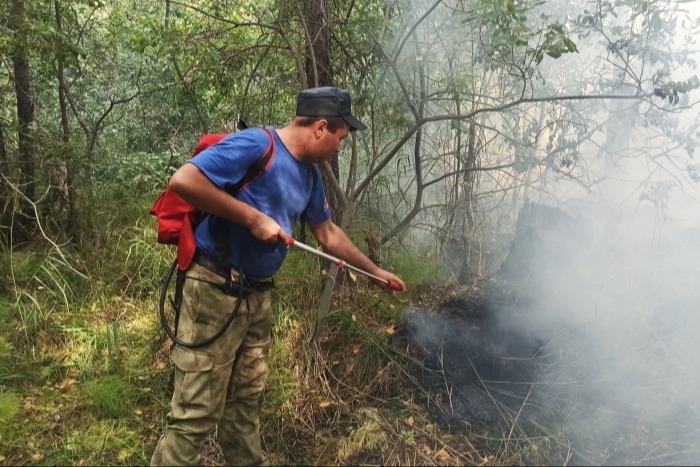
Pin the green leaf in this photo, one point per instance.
(570, 46)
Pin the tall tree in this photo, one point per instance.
(317, 22)
(26, 180)
(62, 196)
(5, 189)
(319, 72)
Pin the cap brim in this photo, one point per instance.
(354, 123)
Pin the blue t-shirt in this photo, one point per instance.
(287, 191)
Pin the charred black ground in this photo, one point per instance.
(614, 388)
(469, 347)
(482, 372)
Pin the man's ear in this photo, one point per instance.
(320, 126)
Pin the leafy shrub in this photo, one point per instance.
(138, 171)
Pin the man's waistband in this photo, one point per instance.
(208, 261)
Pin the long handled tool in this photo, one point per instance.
(393, 285)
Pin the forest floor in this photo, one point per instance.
(84, 361)
(441, 375)
(85, 375)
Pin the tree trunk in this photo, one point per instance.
(319, 73)
(26, 181)
(5, 190)
(540, 143)
(464, 276)
(318, 51)
(62, 195)
(4, 160)
(333, 198)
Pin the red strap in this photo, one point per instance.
(258, 168)
(207, 140)
(186, 246)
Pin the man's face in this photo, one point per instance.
(327, 143)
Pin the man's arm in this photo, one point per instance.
(336, 242)
(194, 187)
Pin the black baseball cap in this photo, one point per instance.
(327, 102)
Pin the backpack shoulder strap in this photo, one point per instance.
(209, 139)
(256, 169)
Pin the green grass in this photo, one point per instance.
(11, 368)
(112, 396)
(105, 442)
(146, 261)
(9, 409)
(38, 285)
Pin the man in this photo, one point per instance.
(220, 384)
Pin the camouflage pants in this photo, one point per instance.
(220, 384)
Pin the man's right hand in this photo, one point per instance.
(267, 230)
(194, 187)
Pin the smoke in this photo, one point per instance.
(632, 321)
(595, 338)
(591, 326)
(631, 344)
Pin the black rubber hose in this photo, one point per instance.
(168, 329)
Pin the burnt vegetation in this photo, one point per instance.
(537, 352)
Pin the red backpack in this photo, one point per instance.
(177, 218)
